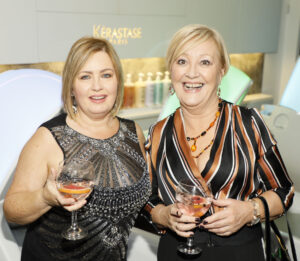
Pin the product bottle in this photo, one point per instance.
(139, 91)
(150, 85)
(128, 99)
(166, 84)
(158, 90)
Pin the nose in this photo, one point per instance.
(192, 71)
(96, 85)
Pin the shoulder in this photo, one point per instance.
(130, 124)
(39, 146)
(256, 126)
(159, 126)
(58, 120)
(156, 131)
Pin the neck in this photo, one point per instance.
(99, 128)
(200, 116)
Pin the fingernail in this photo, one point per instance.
(205, 222)
(201, 227)
(197, 220)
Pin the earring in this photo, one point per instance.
(219, 92)
(171, 89)
(74, 109)
(74, 106)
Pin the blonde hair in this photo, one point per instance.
(191, 35)
(79, 53)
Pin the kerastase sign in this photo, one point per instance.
(117, 35)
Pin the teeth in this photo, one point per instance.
(193, 85)
(98, 98)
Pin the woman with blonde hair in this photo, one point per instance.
(90, 130)
(224, 149)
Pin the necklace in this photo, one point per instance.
(194, 146)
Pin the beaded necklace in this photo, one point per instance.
(194, 146)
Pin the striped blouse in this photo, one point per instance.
(244, 160)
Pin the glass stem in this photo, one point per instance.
(190, 241)
(74, 220)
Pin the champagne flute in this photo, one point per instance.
(193, 201)
(76, 180)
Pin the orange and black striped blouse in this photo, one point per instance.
(244, 159)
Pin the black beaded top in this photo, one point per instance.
(121, 189)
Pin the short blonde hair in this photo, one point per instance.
(79, 53)
(191, 35)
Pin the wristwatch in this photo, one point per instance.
(256, 213)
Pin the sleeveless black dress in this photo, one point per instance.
(121, 189)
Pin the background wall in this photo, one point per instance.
(279, 66)
(43, 30)
(34, 31)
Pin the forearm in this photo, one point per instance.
(274, 203)
(25, 207)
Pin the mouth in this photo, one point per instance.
(98, 97)
(192, 86)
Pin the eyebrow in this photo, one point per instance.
(103, 70)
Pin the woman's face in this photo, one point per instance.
(95, 86)
(196, 74)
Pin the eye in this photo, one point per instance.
(84, 77)
(181, 61)
(107, 75)
(205, 62)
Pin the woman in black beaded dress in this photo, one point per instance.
(92, 95)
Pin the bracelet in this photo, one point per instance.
(256, 213)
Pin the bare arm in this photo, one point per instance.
(33, 191)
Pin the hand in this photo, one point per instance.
(177, 220)
(235, 214)
(53, 197)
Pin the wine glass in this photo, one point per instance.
(192, 200)
(75, 180)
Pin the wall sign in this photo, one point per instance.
(117, 35)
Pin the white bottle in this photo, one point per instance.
(166, 84)
(139, 91)
(158, 91)
(149, 95)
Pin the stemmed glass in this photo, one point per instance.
(75, 180)
(193, 201)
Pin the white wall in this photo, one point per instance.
(279, 66)
(43, 30)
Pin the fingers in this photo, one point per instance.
(175, 211)
(183, 229)
(222, 202)
(226, 221)
(75, 206)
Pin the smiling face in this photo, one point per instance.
(95, 86)
(196, 74)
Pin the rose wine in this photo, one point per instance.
(77, 190)
(199, 206)
(193, 205)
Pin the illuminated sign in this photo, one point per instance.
(117, 35)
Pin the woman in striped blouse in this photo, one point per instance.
(223, 148)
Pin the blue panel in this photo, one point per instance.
(291, 95)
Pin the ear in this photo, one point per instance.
(222, 71)
(221, 74)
